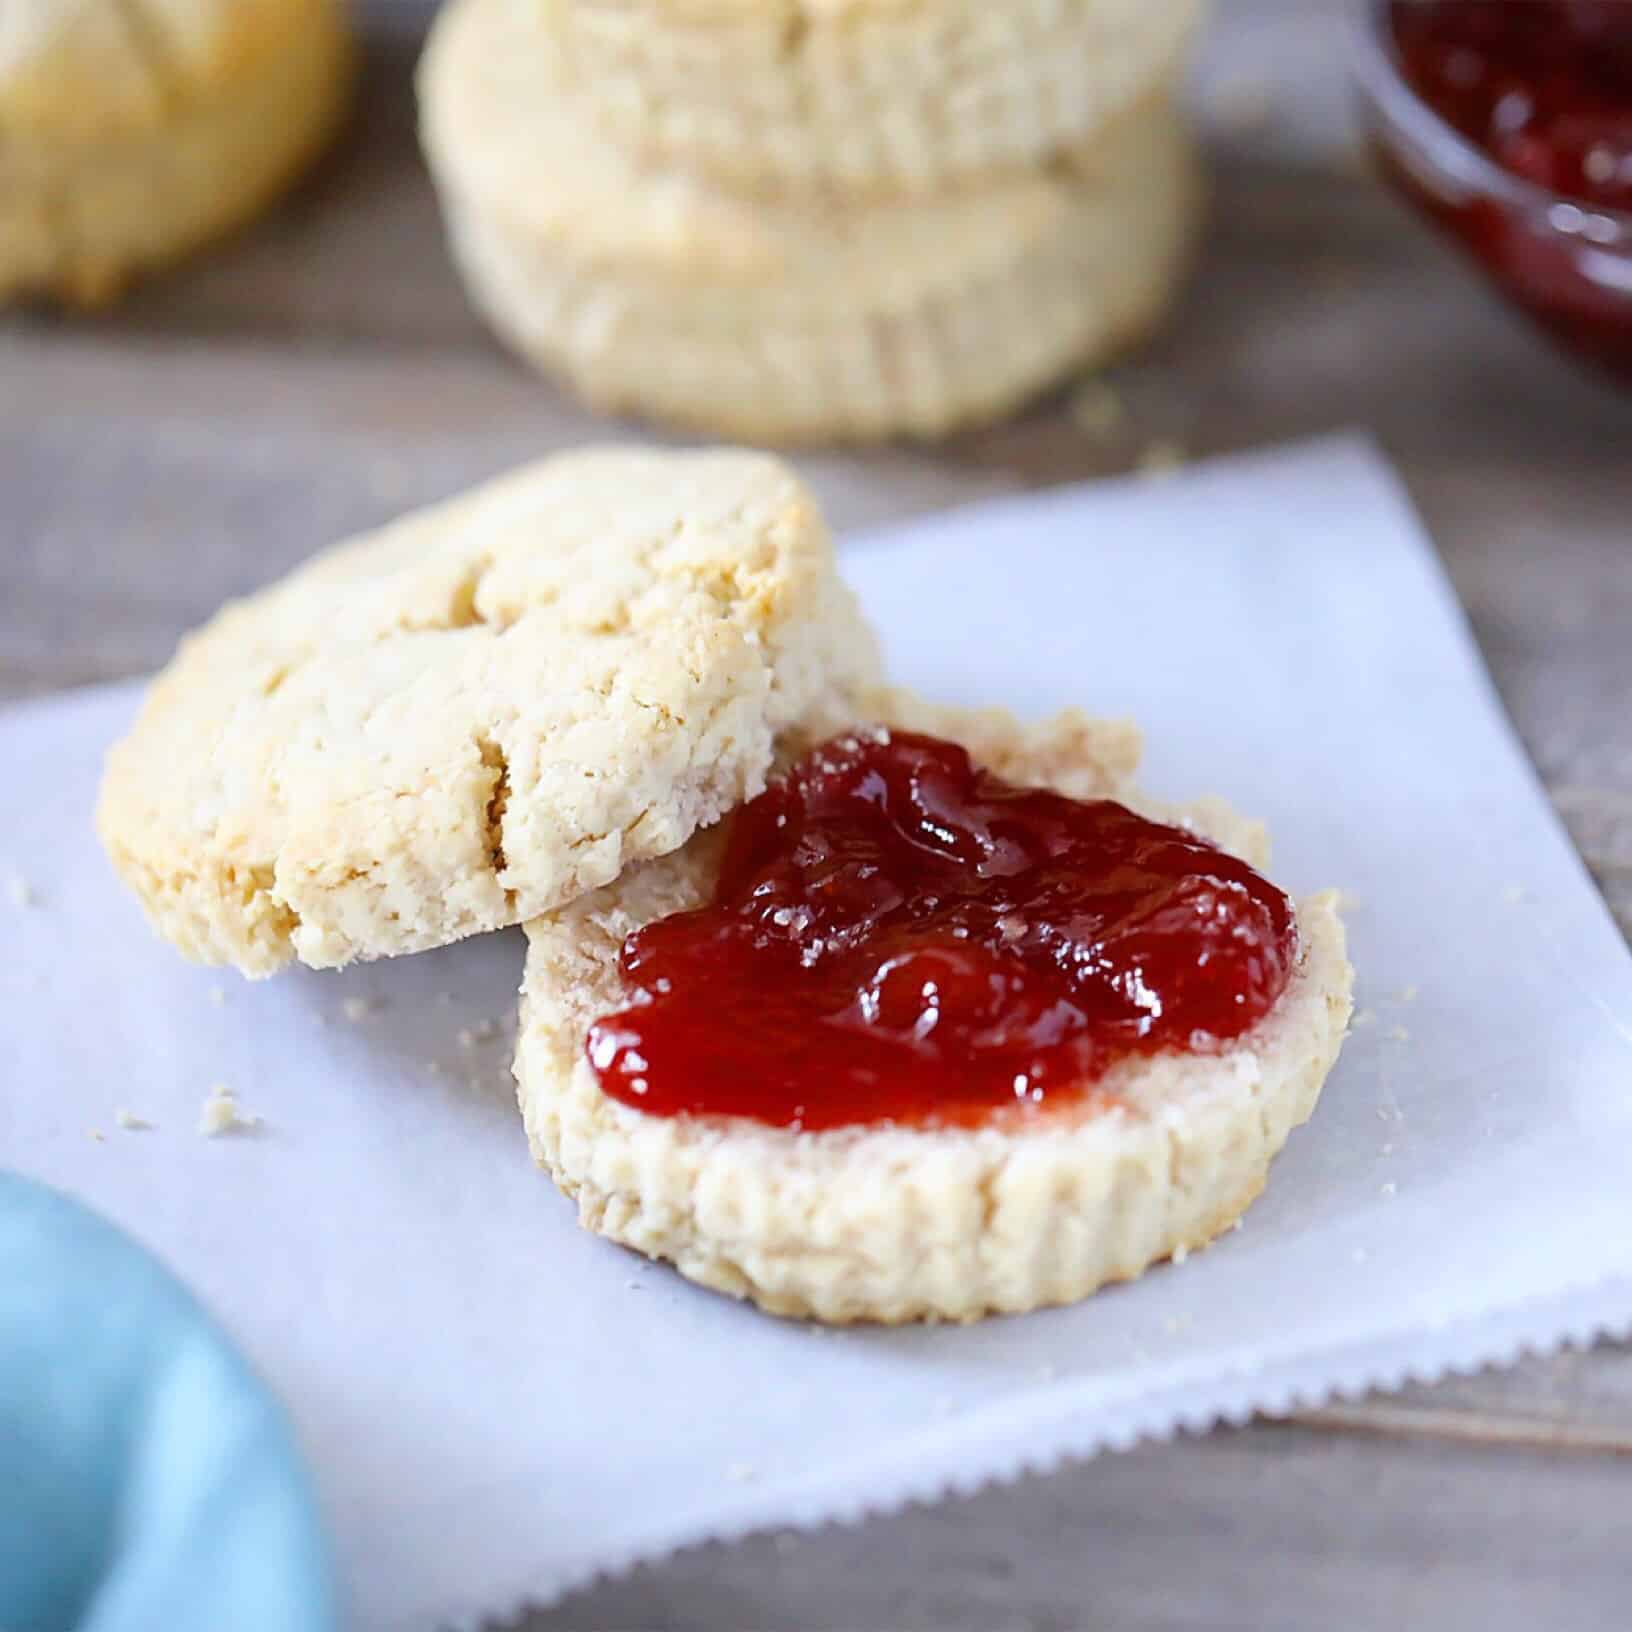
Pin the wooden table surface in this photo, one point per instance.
(323, 373)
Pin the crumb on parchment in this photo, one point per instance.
(1161, 458)
(20, 891)
(130, 1121)
(220, 1114)
(1096, 408)
(741, 1473)
(218, 997)
(358, 1009)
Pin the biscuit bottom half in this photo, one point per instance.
(889, 1223)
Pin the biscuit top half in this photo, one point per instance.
(492, 97)
(88, 67)
(481, 711)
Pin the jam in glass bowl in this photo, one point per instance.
(1509, 123)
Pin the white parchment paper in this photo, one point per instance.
(498, 1406)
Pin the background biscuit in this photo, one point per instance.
(132, 133)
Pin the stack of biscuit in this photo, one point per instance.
(803, 220)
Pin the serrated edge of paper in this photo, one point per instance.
(1475, 1343)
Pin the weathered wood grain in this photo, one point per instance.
(323, 372)
(1268, 1530)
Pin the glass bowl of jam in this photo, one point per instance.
(1509, 124)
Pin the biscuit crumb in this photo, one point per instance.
(1514, 894)
(220, 1114)
(130, 1121)
(1389, 1189)
(741, 1473)
(1180, 1254)
(1398, 1034)
(631, 1286)
(1237, 1225)
(1160, 458)
(21, 891)
(1388, 1150)
(95, 1134)
(218, 997)
(1362, 1017)
(1096, 408)
(484, 1031)
(1407, 994)
(358, 1009)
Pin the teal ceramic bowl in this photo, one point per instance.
(150, 1481)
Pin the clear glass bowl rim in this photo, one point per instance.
(1453, 156)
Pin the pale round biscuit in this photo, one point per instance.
(134, 131)
(887, 1223)
(787, 321)
(863, 95)
(476, 713)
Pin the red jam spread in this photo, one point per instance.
(897, 935)
(1544, 88)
